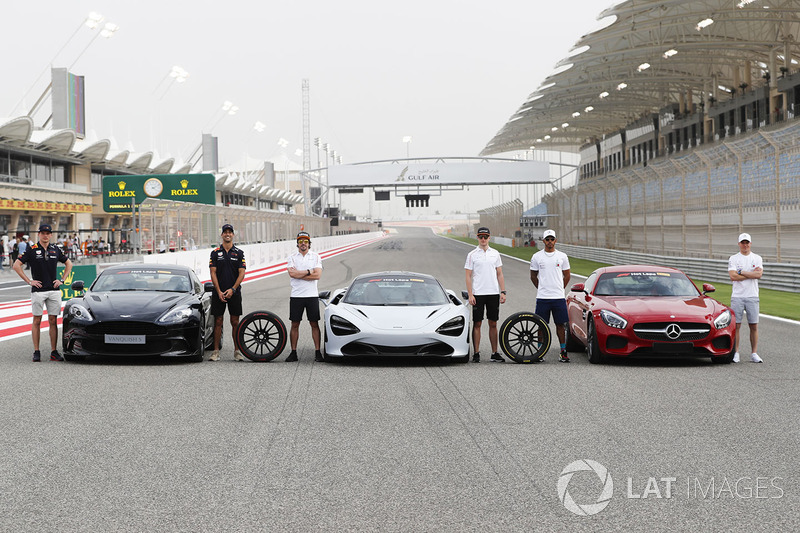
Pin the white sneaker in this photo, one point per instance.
(214, 356)
(736, 357)
(755, 358)
(237, 356)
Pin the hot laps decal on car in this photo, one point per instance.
(624, 274)
(138, 271)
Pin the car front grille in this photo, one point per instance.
(671, 331)
(151, 348)
(432, 349)
(126, 328)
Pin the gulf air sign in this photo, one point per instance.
(439, 173)
(119, 192)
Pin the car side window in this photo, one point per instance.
(589, 285)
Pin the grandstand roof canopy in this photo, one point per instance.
(650, 53)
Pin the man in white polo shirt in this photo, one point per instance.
(304, 268)
(745, 269)
(550, 274)
(487, 289)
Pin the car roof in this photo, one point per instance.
(145, 266)
(394, 273)
(638, 268)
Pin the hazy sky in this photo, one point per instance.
(447, 73)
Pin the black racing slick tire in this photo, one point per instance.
(525, 337)
(261, 336)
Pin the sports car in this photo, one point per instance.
(395, 314)
(641, 310)
(140, 309)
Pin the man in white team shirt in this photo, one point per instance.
(486, 288)
(550, 274)
(745, 269)
(305, 268)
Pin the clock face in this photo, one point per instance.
(153, 187)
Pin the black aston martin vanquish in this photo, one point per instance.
(142, 310)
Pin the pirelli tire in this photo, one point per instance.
(261, 336)
(525, 337)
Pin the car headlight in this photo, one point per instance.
(340, 326)
(453, 327)
(176, 315)
(613, 320)
(80, 312)
(723, 320)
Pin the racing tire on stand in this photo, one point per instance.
(525, 337)
(261, 336)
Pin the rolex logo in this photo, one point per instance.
(184, 183)
(121, 185)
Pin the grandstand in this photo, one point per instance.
(683, 114)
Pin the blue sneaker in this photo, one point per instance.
(55, 356)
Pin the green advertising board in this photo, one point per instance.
(118, 190)
(84, 273)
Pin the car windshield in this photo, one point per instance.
(160, 279)
(645, 284)
(396, 291)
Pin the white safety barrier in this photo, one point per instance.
(260, 255)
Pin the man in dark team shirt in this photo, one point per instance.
(43, 258)
(227, 266)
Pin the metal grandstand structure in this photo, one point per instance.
(652, 53)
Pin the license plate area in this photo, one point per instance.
(673, 347)
(125, 339)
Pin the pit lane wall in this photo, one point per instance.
(263, 255)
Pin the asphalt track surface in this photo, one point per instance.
(398, 445)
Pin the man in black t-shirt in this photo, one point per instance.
(42, 258)
(227, 267)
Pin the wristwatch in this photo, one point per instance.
(309, 271)
(502, 292)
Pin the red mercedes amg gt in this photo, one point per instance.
(640, 310)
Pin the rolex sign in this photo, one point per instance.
(119, 191)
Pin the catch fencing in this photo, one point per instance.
(780, 276)
(695, 204)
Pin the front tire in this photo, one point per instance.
(724, 359)
(524, 337)
(593, 350)
(261, 336)
(201, 349)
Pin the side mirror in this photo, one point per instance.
(324, 295)
(77, 285)
(208, 286)
(465, 295)
(707, 287)
(578, 287)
